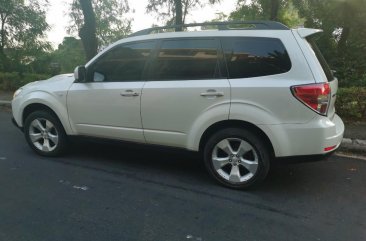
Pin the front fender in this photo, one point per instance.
(56, 102)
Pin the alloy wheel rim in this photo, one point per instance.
(235, 160)
(43, 135)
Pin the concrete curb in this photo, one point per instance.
(356, 145)
(5, 102)
(348, 144)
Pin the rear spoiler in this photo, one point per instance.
(305, 32)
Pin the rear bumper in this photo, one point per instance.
(302, 159)
(317, 137)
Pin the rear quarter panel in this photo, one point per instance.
(267, 100)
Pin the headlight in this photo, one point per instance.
(17, 92)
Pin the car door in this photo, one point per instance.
(184, 87)
(108, 105)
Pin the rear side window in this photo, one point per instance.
(320, 58)
(252, 57)
(185, 59)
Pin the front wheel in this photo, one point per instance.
(45, 134)
(237, 158)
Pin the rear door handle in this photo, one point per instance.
(212, 93)
(129, 93)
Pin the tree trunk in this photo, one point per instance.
(275, 5)
(346, 30)
(3, 57)
(4, 63)
(87, 33)
(343, 40)
(178, 14)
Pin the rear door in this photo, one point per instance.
(184, 84)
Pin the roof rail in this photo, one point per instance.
(252, 25)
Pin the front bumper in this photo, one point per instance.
(16, 124)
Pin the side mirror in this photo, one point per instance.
(80, 74)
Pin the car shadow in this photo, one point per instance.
(178, 164)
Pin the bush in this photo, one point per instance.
(12, 81)
(351, 103)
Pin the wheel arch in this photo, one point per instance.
(36, 106)
(235, 124)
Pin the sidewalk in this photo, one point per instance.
(354, 139)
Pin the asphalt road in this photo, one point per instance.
(122, 192)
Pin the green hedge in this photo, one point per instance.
(12, 81)
(351, 103)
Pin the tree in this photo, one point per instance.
(110, 21)
(343, 41)
(276, 10)
(87, 32)
(175, 11)
(69, 54)
(22, 26)
(64, 59)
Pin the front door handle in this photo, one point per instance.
(212, 93)
(129, 93)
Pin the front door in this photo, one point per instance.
(108, 105)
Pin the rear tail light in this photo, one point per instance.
(314, 96)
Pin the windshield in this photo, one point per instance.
(321, 59)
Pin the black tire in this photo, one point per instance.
(258, 158)
(51, 128)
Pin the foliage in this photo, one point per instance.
(111, 23)
(167, 9)
(70, 53)
(12, 81)
(283, 11)
(344, 39)
(351, 103)
(22, 27)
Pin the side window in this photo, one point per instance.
(122, 63)
(252, 57)
(185, 59)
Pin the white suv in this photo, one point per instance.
(241, 96)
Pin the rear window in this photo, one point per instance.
(253, 56)
(321, 59)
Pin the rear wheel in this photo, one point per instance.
(44, 133)
(237, 158)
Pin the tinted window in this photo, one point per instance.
(123, 63)
(321, 59)
(186, 59)
(252, 57)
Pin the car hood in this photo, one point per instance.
(62, 79)
(56, 83)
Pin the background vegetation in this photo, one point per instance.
(25, 54)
